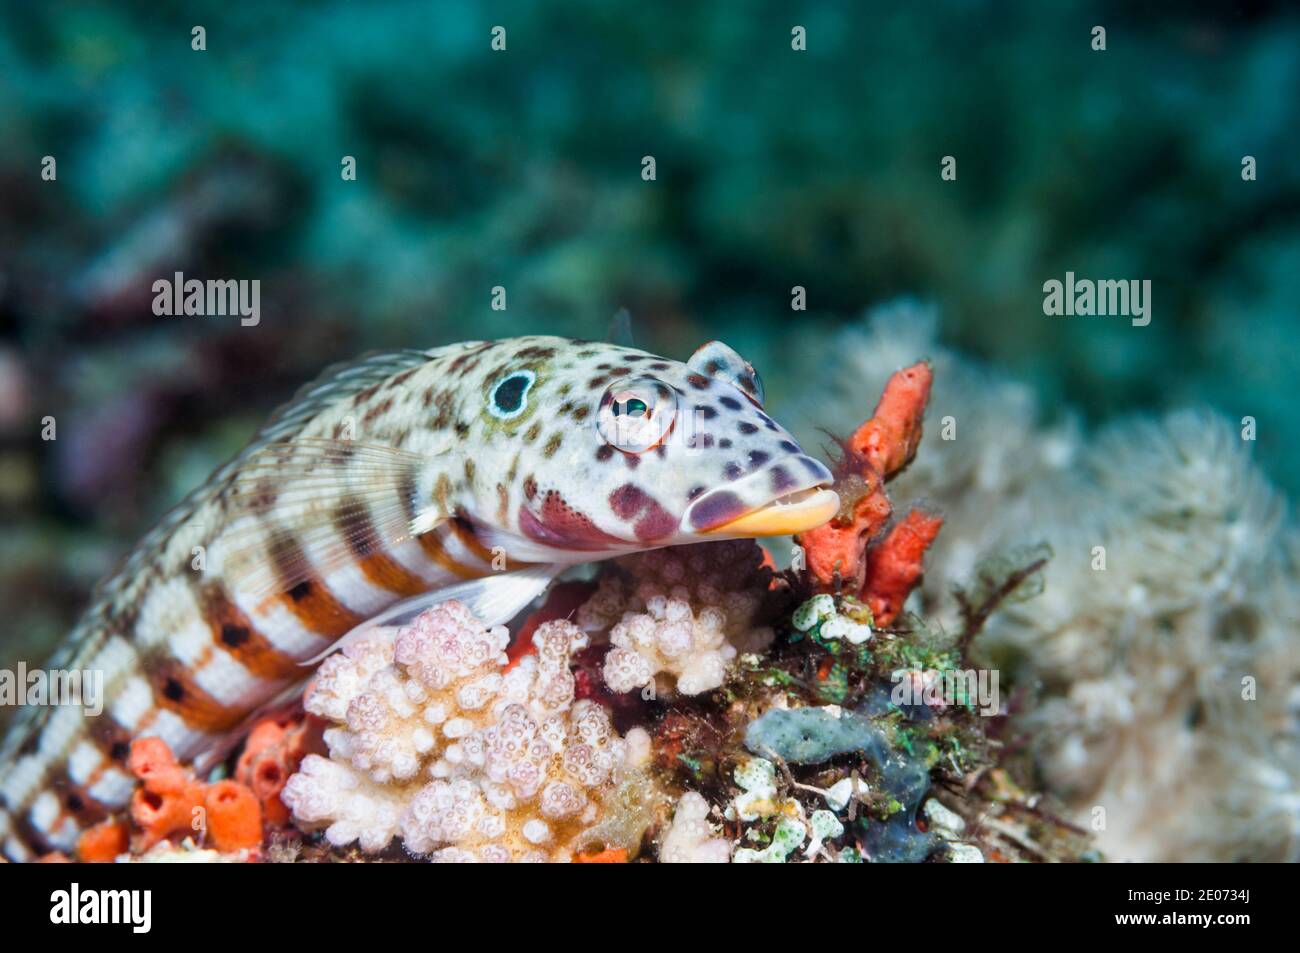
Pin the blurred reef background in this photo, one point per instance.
(523, 169)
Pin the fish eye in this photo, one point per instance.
(636, 415)
(630, 406)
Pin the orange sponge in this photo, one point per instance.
(234, 817)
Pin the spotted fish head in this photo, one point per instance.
(613, 449)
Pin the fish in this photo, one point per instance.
(479, 471)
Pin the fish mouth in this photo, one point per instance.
(786, 515)
(790, 496)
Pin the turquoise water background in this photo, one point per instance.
(523, 169)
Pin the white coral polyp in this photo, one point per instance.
(435, 743)
(687, 614)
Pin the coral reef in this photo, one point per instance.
(170, 801)
(1156, 671)
(679, 617)
(686, 705)
(843, 555)
(433, 742)
(272, 753)
(692, 839)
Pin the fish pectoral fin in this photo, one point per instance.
(495, 599)
(305, 508)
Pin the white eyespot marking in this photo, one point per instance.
(509, 396)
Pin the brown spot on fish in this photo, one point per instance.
(175, 690)
(653, 522)
(552, 445)
(559, 524)
(442, 493)
(76, 800)
(533, 432)
(503, 503)
(377, 411)
(112, 740)
(309, 599)
(363, 396)
(716, 510)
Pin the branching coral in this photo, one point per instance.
(691, 839)
(843, 555)
(683, 613)
(436, 743)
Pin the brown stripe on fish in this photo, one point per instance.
(379, 568)
(464, 531)
(431, 543)
(75, 800)
(176, 690)
(29, 835)
(237, 636)
(110, 737)
(305, 594)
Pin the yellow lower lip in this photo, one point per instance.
(783, 519)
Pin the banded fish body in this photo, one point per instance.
(477, 471)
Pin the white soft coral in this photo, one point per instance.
(684, 612)
(435, 742)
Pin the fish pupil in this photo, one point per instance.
(632, 407)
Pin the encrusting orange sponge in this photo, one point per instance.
(168, 796)
(234, 817)
(840, 555)
(170, 800)
(271, 754)
(103, 843)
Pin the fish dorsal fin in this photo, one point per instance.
(307, 507)
(333, 496)
(335, 382)
(495, 599)
(620, 329)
